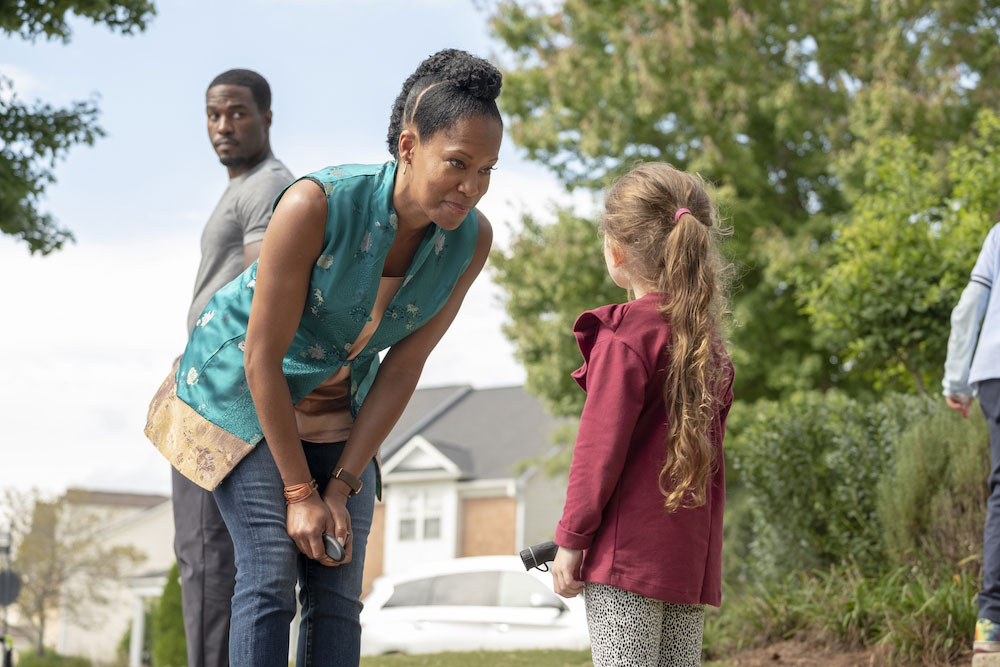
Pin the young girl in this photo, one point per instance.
(641, 532)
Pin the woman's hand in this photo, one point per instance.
(306, 522)
(565, 572)
(336, 504)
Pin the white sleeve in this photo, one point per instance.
(965, 321)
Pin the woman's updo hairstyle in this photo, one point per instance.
(449, 85)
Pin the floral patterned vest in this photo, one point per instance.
(360, 227)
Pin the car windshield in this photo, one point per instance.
(482, 589)
(461, 589)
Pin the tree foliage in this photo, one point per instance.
(49, 18)
(62, 563)
(33, 137)
(775, 103)
(900, 259)
(754, 95)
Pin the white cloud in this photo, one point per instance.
(89, 333)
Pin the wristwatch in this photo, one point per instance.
(348, 479)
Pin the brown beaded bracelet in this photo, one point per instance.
(296, 493)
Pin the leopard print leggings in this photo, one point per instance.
(629, 630)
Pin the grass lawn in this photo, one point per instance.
(484, 659)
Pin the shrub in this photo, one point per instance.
(932, 503)
(811, 466)
(169, 644)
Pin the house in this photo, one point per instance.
(142, 521)
(460, 477)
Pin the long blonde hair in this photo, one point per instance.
(682, 261)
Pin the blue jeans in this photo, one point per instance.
(268, 564)
(989, 596)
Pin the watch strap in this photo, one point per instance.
(347, 478)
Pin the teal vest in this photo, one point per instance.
(360, 227)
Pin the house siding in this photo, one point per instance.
(488, 526)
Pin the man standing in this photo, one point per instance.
(964, 376)
(238, 106)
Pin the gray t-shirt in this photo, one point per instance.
(239, 219)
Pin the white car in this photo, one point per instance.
(470, 604)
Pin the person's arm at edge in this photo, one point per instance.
(288, 253)
(966, 319)
(397, 378)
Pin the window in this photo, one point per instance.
(462, 589)
(420, 514)
(465, 589)
(523, 590)
(411, 594)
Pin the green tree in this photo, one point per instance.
(169, 643)
(62, 563)
(900, 259)
(758, 98)
(33, 137)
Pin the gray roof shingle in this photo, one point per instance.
(485, 431)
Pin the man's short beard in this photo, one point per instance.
(234, 160)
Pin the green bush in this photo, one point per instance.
(169, 645)
(932, 504)
(811, 466)
(862, 517)
(50, 659)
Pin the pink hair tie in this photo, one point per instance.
(679, 213)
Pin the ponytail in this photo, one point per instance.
(690, 388)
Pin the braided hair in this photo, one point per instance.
(447, 86)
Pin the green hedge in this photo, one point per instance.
(857, 523)
(811, 466)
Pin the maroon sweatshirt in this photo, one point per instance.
(614, 508)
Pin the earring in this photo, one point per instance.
(404, 167)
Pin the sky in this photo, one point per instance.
(89, 332)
